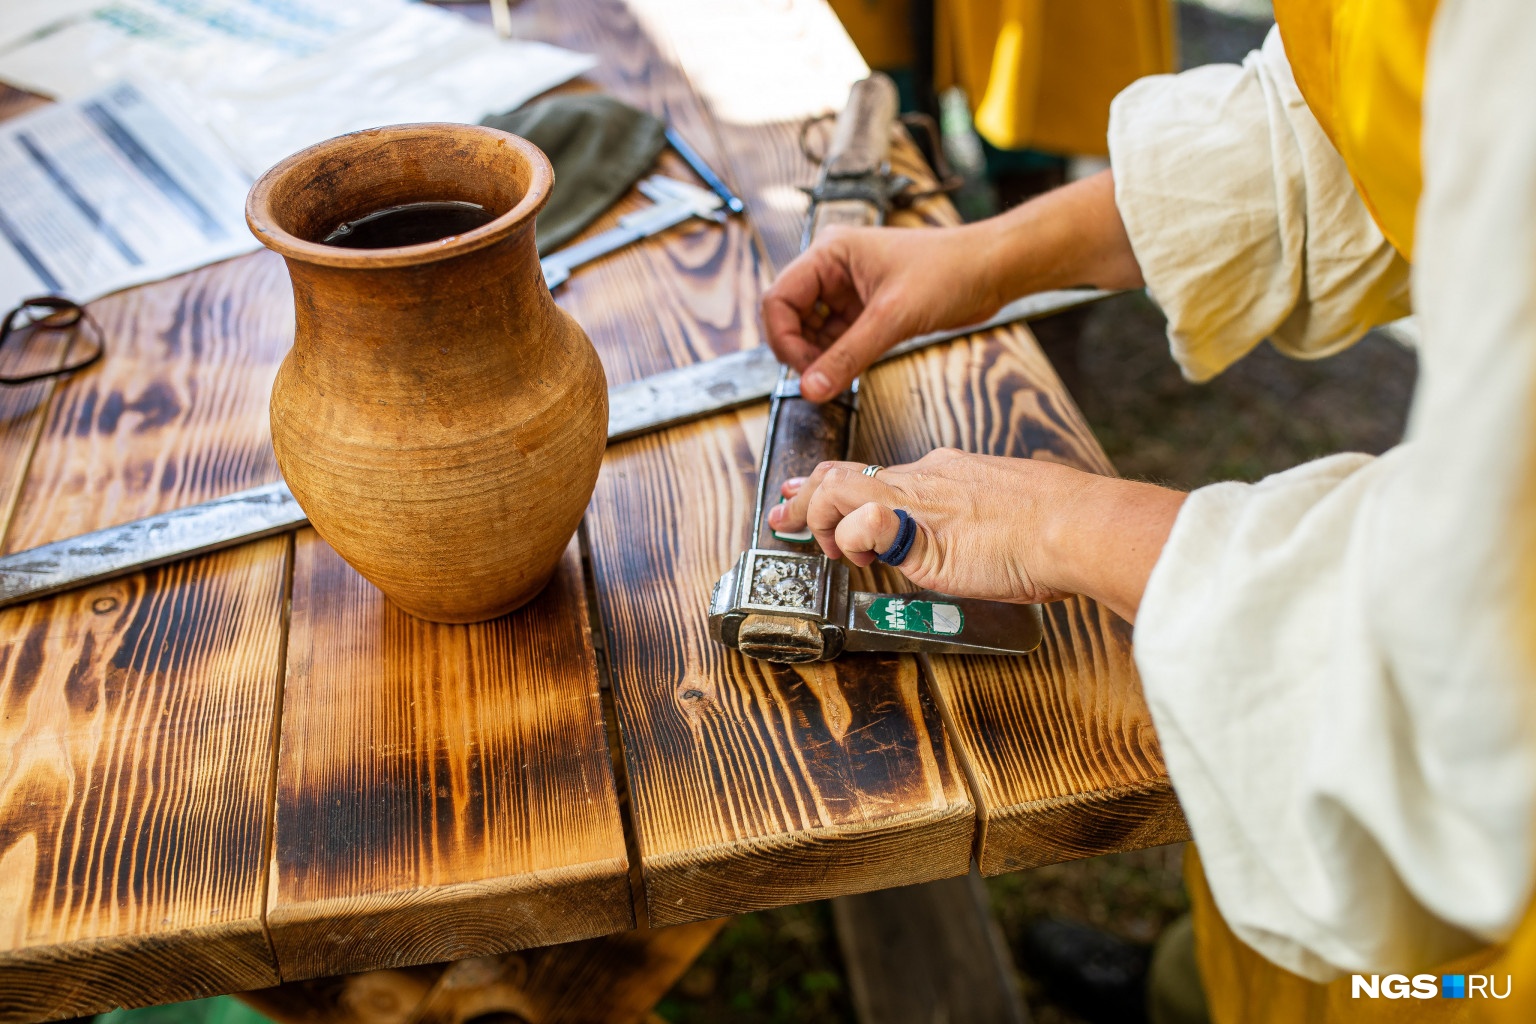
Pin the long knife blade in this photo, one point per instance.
(640, 407)
(146, 543)
(727, 382)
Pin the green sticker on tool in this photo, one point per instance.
(902, 615)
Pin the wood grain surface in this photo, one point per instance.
(444, 791)
(135, 748)
(138, 721)
(1062, 764)
(175, 412)
(1058, 745)
(22, 407)
(752, 786)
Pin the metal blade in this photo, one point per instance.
(730, 381)
(145, 543)
(690, 392)
(1027, 308)
(558, 266)
(662, 400)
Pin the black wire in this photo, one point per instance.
(66, 314)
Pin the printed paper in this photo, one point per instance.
(109, 191)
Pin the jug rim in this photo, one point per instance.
(325, 159)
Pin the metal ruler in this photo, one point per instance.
(672, 201)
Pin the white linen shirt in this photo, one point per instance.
(1330, 655)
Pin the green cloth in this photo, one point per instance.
(599, 148)
(218, 1010)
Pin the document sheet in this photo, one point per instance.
(172, 107)
(112, 190)
(269, 77)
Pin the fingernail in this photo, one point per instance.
(775, 514)
(792, 485)
(816, 381)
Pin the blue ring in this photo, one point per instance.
(906, 533)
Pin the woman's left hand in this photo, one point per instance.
(988, 527)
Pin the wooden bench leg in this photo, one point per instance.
(927, 952)
(616, 979)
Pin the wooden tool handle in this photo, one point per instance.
(804, 436)
(861, 144)
(861, 140)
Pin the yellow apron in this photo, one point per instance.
(1360, 65)
(1241, 987)
(1039, 73)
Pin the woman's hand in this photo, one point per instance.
(857, 291)
(987, 527)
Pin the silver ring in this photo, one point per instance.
(872, 470)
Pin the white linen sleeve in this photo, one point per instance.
(1244, 218)
(1331, 656)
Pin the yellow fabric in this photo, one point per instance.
(881, 29)
(1242, 987)
(1360, 65)
(1039, 73)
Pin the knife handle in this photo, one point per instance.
(801, 435)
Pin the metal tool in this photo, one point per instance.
(740, 378)
(674, 202)
(706, 173)
(784, 600)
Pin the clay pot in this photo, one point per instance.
(439, 419)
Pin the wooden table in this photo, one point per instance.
(249, 767)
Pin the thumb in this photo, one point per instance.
(865, 340)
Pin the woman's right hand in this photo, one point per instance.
(858, 291)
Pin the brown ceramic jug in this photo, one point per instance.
(440, 420)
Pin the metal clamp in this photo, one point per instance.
(814, 589)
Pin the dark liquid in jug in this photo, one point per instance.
(409, 224)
